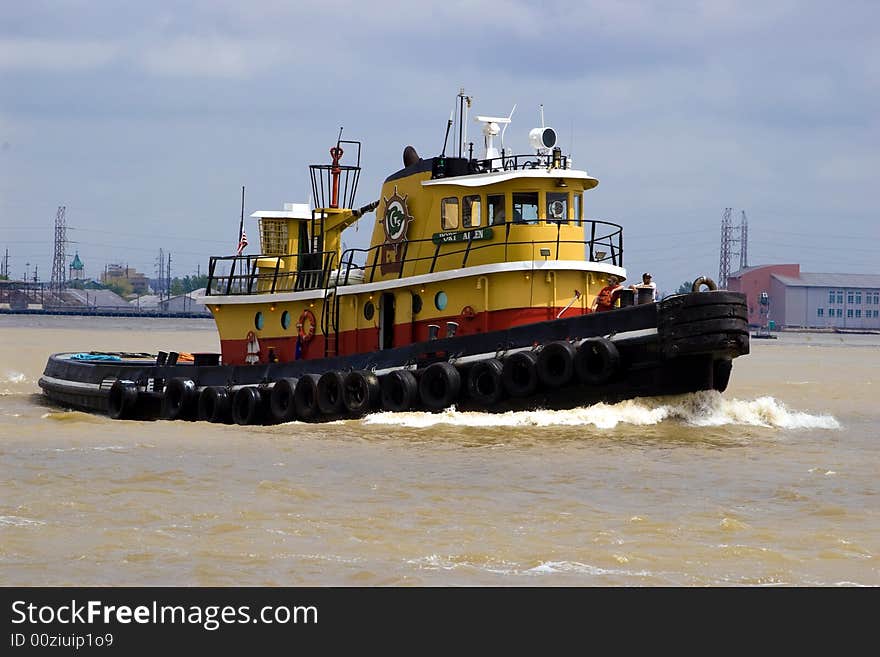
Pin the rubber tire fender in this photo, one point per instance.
(122, 400)
(181, 399)
(519, 374)
(361, 392)
(555, 366)
(439, 386)
(305, 397)
(215, 404)
(596, 361)
(281, 405)
(329, 392)
(400, 390)
(248, 406)
(484, 382)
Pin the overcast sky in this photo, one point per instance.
(146, 119)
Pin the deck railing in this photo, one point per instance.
(260, 274)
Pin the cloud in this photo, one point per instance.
(55, 55)
(210, 56)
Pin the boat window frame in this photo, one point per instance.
(549, 198)
(496, 219)
(578, 208)
(467, 213)
(445, 219)
(537, 205)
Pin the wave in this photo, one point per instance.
(13, 377)
(704, 408)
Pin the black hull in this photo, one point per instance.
(684, 343)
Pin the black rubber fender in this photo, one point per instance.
(248, 406)
(181, 399)
(439, 386)
(519, 374)
(281, 404)
(215, 404)
(361, 392)
(555, 365)
(596, 361)
(122, 400)
(329, 392)
(305, 397)
(484, 382)
(400, 390)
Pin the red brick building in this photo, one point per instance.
(754, 280)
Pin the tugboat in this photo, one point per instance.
(478, 290)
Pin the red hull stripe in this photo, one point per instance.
(365, 340)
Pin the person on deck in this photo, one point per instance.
(607, 297)
(647, 282)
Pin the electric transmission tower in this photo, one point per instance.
(59, 263)
(731, 246)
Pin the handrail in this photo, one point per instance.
(607, 236)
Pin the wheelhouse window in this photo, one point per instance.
(557, 207)
(578, 208)
(525, 207)
(449, 213)
(470, 211)
(495, 209)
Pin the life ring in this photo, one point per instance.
(468, 312)
(703, 280)
(306, 325)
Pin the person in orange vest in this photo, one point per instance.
(607, 297)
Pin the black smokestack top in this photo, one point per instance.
(410, 156)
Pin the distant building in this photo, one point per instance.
(76, 269)
(808, 300)
(139, 282)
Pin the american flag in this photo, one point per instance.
(242, 242)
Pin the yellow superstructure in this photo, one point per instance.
(459, 246)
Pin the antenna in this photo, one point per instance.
(448, 126)
(542, 115)
(509, 116)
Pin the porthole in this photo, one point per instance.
(417, 304)
(369, 310)
(440, 300)
(285, 320)
(258, 321)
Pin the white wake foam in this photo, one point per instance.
(706, 408)
(13, 377)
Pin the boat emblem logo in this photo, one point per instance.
(396, 218)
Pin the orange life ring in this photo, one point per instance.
(306, 325)
(468, 312)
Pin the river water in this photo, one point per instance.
(773, 483)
